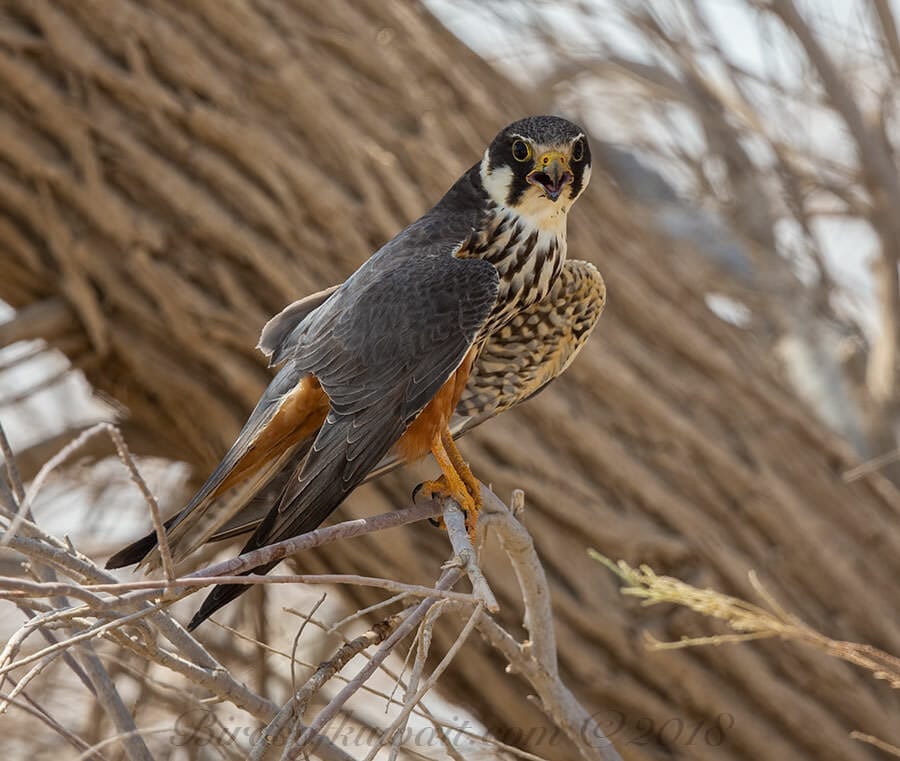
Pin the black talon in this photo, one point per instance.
(415, 493)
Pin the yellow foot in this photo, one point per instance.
(469, 503)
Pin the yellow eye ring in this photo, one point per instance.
(521, 151)
(578, 150)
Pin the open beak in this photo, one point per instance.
(551, 174)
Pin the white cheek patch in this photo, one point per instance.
(497, 181)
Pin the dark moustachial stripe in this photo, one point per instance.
(518, 185)
(578, 169)
(577, 180)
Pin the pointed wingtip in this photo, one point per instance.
(131, 554)
(218, 598)
(195, 621)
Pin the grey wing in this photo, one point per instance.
(276, 339)
(381, 349)
(516, 362)
(522, 357)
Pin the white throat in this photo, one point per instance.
(534, 209)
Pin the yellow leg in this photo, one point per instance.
(473, 485)
(457, 480)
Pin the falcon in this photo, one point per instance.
(467, 312)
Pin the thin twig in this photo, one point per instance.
(37, 711)
(299, 634)
(24, 511)
(23, 682)
(362, 612)
(12, 470)
(464, 554)
(423, 648)
(877, 742)
(296, 706)
(446, 581)
(82, 636)
(401, 720)
(162, 539)
(870, 466)
(24, 508)
(51, 638)
(162, 729)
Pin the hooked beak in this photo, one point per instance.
(551, 174)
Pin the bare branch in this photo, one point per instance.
(519, 548)
(464, 554)
(556, 700)
(401, 720)
(113, 705)
(12, 470)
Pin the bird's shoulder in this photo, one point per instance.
(414, 276)
(414, 269)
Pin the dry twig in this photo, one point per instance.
(129, 614)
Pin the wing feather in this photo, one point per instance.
(381, 346)
(577, 301)
(381, 385)
(275, 338)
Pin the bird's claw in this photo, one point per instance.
(470, 504)
(436, 522)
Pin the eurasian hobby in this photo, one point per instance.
(468, 311)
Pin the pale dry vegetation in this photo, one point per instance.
(173, 173)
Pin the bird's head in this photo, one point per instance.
(537, 167)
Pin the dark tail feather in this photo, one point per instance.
(224, 594)
(136, 551)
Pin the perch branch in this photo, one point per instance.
(464, 555)
(519, 547)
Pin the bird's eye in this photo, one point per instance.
(578, 150)
(521, 151)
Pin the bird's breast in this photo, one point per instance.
(528, 259)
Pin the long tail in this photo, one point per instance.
(225, 593)
(277, 435)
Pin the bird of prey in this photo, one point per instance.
(470, 310)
